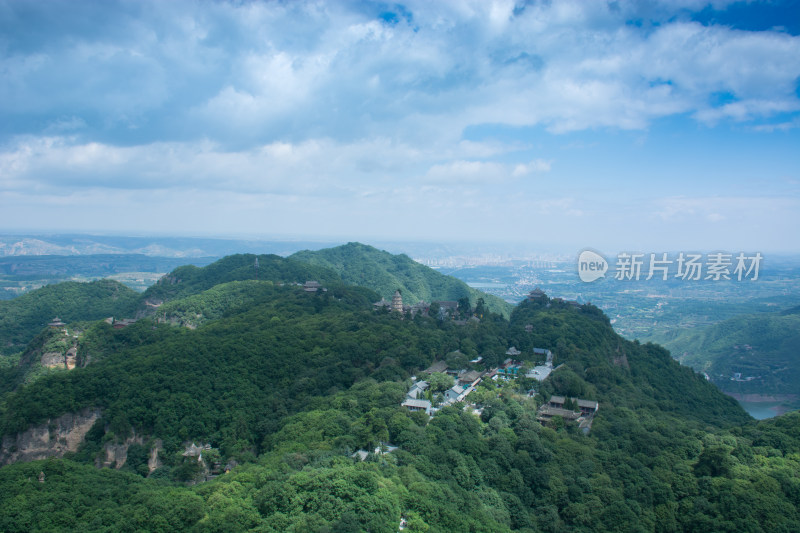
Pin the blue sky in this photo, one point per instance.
(647, 126)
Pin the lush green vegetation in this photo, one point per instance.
(213, 303)
(24, 317)
(366, 266)
(763, 347)
(27, 366)
(288, 384)
(502, 471)
(188, 280)
(601, 365)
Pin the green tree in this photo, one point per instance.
(480, 308)
(464, 307)
(440, 382)
(456, 360)
(715, 460)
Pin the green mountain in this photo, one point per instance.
(188, 280)
(213, 303)
(230, 282)
(748, 354)
(363, 265)
(23, 317)
(600, 365)
(281, 386)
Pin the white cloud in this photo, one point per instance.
(486, 172)
(467, 172)
(259, 72)
(719, 208)
(780, 126)
(535, 166)
(312, 102)
(742, 111)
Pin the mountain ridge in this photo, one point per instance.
(365, 265)
(25, 316)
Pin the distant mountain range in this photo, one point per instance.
(79, 244)
(32, 267)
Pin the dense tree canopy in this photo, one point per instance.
(366, 266)
(23, 317)
(288, 384)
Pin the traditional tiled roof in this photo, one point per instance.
(547, 412)
(420, 404)
(438, 366)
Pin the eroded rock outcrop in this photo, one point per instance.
(71, 358)
(115, 454)
(52, 439)
(52, 360)
(154, 461)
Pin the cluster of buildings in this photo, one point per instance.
(465, 382)
(512, 368)
(415, 398)
(571, 410)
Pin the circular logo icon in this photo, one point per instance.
(591, 266)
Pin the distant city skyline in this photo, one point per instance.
(649, 126)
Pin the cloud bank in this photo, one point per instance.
(361, 101)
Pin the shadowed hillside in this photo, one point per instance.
(749, 354)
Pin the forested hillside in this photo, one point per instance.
(188, 280)
(366, 266)
(749, 354)
(278, 387)
(601, 364)
(23, 317)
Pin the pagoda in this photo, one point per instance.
(397, 302)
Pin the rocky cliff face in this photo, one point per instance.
(66, 360)
(154, 461)
(51, 439)
(65, 434)
(53, 360)
(115, 454)
(71, 357)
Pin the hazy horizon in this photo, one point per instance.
(417, 249)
